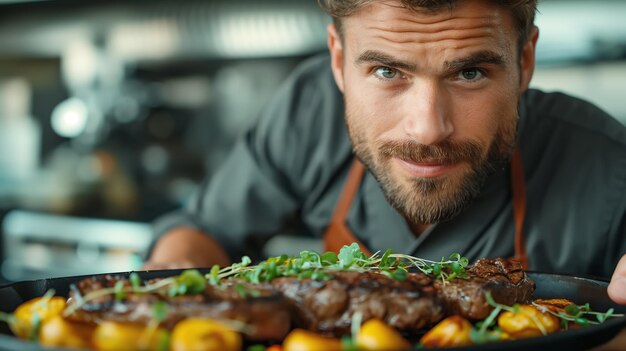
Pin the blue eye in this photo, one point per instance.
(471, 74)
(386, 72)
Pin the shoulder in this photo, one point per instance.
(309, 90)
(575, 164)
(558, 112)
(302, 128)
(572, 148)
(565, 134)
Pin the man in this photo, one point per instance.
(459, 155)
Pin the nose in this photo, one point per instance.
(427, 120)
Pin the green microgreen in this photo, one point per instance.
(164, 341)
(36, 318)
(159, 314)
(8, 318)
(246, 291)
(348, 344)
(329, 258)
(484, 331)
(312, 265)
(119, 290)
(135, 280)
(351, 255)
(214, 276)
(190, 281)
(579, 314)
(487, 331)
(159, 311)
(36, 323)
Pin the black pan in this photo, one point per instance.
(580, 290)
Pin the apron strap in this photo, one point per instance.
(349, 191)
(518, 188)
(338, 234)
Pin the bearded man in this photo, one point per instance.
(419, 133)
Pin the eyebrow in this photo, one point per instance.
(475, 59)
(373, 56)
(480, 57)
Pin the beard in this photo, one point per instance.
(433, 200)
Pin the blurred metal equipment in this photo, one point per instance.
(38, 245)
(160, 29)
(20, 133)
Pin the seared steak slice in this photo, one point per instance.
(504, 279)
(266, 316)
(328, 306)
(270, 310)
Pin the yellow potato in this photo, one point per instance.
(453, 331)
(376, 335)
(527, 322)
(61, 333)
(115, 336)
(197, 334)
(38, 309)
(304, 340)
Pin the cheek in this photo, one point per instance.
(365, 114)
(481, 115)
(372, 111)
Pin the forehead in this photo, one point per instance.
(471, 25)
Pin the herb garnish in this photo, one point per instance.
(312, 265)
(483, 331)
(578, 314)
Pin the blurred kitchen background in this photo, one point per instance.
(112, 112)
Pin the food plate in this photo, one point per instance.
(577, 289)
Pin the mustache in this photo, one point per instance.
(446, 152)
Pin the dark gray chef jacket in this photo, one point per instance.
(294, 162)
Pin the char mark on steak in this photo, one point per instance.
(328, 306)
(504, 279)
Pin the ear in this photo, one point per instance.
(528, 59)
(336, 55)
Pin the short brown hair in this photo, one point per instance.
(523, 11)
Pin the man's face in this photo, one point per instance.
(431, 99)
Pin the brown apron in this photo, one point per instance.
(338, 234)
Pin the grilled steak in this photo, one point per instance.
(504, 279)
(271, 309)
(328, 306)
(266, 316)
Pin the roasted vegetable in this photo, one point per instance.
(303, 340)
(59, 332)
(204, 335)
(453, 331)
(527, 322)
(376, 335)
(30, 315)
(110, 336)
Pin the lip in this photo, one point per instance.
(426, 169)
